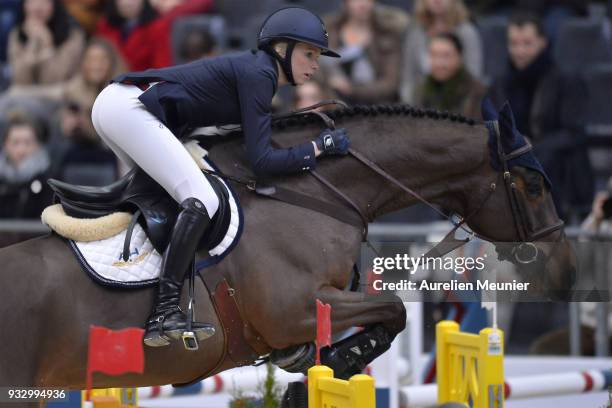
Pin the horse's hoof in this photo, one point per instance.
(295, 359)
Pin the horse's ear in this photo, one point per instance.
(510, 135)
(489, 113)
(512, 139)
(506, 120)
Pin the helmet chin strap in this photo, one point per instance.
(285, 63)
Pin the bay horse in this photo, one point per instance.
(288, 256)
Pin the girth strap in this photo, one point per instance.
(302, 200)
(296, 198)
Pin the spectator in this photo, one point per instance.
(100, 63)
(24, 166)
(540, 7)
(164, 6)
(44, 47)
(368, 37)
(600, 218)
(79, 145)
(141, 34)
(599, 221)
(86, 12)
(607, 26)
(552, 12)
(197, 43)
(449, 86)
(549, 108)
(8, 18)
(433, 17)
(39, 110)
(79, 158)
(596, 231)
(486, 7)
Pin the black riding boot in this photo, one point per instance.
(168, 322)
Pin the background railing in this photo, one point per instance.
(13, 231)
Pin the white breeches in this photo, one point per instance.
(139, 138)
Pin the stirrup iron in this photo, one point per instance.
(190, 341)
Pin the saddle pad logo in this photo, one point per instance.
(132, 260)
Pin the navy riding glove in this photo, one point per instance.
(333, 142)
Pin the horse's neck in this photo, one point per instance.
(439, 159)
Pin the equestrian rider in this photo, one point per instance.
(142, 115)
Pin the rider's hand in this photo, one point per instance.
(333, 141)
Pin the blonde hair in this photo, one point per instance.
(456, 15)
(281, 48)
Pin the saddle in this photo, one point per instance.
(151, 206)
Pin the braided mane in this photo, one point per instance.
(372, 110)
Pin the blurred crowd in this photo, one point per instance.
(551, 59)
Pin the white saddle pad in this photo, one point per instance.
(103, 260)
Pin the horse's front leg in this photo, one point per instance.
(382, 316)
(350, 309)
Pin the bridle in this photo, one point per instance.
(526, 236)
(523, 252)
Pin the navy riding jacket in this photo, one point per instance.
(219, 91)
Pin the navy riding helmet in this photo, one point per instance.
(294, 24)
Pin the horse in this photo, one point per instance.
(288, 256)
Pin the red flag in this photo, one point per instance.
(323, 327)
(114, 352)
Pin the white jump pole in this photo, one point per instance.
(415, 340)
(243, 379)
(385, 371)
(533, 386)
(249, 380)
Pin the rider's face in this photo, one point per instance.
(304, 62)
